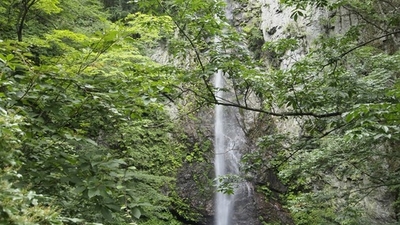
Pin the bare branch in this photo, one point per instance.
(281, 114)
(338, 58)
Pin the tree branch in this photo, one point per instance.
(367, 42)
(280, 114)
(210, 90)
(334, 60)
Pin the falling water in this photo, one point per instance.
(228, 139)
(222, 201)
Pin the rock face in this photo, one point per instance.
(257, 197)
(252, 205)
(257, 200)
(276, 24)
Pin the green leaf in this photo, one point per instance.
(110, 36)
(9, 57)
(79, 190)
(106, 213)
(93, 192)
(91, 141)
(136, 212)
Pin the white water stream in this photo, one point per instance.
(223, 202)
(228, 140)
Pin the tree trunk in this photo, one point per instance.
(26, 5)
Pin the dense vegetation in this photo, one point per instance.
(85, 101)
(84, 136)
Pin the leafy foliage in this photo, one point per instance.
(85, 125)
(17, 205)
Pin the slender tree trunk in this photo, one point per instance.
(26, 5)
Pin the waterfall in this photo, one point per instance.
(223, 202)
(228, 139)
